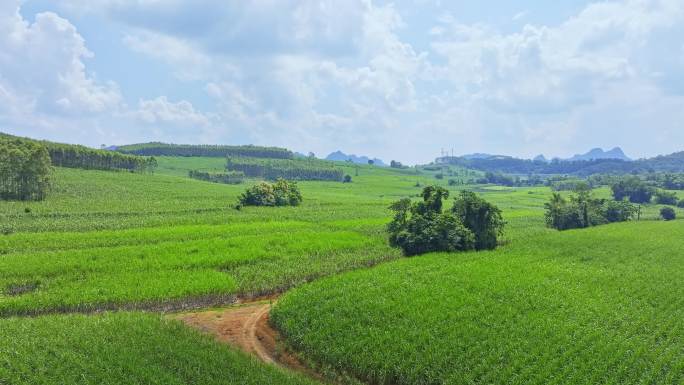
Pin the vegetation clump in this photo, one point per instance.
(423, 227)
(668, 214)
(581, 210)
(280, 193)
(25, 170)
(633, 189)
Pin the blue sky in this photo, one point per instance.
(396, 80)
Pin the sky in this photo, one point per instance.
(395, 80)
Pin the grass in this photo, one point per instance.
(601, 306)
(123, 348)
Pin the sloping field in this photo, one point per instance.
(597, 306)
(123, 348)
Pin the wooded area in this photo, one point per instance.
(212, 151)
(24, 170)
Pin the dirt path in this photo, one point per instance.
(247, 328)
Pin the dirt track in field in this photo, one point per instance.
(246, 327)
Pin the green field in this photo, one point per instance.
(135, 242)
(122, 348)
(598, 306)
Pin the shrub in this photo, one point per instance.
(439, 176)
(422, 227)
(663, 197)
(481, 217)
(681, 204)
(668, 213)
(347, 179)
(453, 182)
(280, 193)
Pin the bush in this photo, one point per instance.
(439, 176)
(668, 213)
(347, 179)
(453, 182)
(663, 197)
(681, 204)
(423, 227)
(481, 217)
(280, 193)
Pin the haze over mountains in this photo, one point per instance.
(593, 154)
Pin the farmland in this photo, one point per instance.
(145, 244)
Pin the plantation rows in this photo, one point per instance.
(204, 150)
(597, 306)
(286, 169)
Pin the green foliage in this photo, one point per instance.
(603, 305)
(230, 177)
(123, 348)
(423, 227)
(419, 228)
(25, 170)
(663, 197)
(272, 169)
(280, 193)
(205, 150)
(668, 214)
(582, 210)
(618, 211)
(681, 204)
(634, 189)
(347, 179)
(481, 217)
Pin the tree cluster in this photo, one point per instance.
(230, 177)
(581, 210)
(423, 227)
(25, 170)
(280, 193)
(634, 189)
(204, 150)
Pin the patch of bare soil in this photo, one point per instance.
(247, 328)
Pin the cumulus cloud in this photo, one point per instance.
(318, 75)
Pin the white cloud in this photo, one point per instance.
(162, 111)
(317, 75)
(42, 66)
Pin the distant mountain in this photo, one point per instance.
(598, 153)
(540, 158)
(342, 157)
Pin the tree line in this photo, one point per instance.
(230, 177)
(273, 169)
(76, 156)
(205, 150)
(673, 163)
(25, 170)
